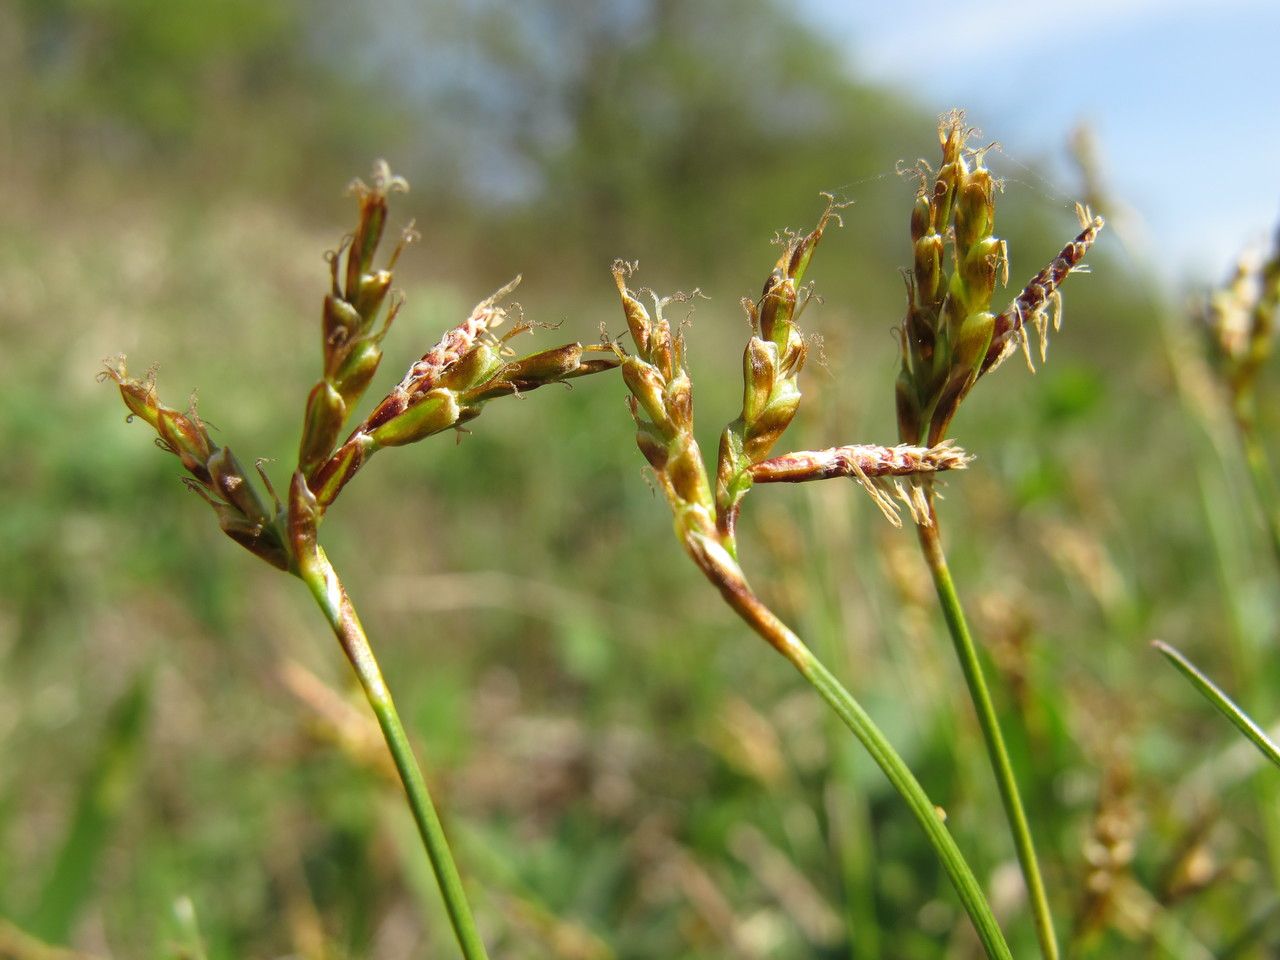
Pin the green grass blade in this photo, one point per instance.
(190, 944)
(1225, 705)
(904, 781)
(101, 799)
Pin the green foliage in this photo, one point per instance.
(106, 789)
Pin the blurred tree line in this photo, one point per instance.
(687, 131)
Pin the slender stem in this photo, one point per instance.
(322, 579)
(1264, 483)
(782, 639)
(967, 652)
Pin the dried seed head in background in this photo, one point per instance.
(1239, 324)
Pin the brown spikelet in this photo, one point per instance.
(1038, 296)
(486, 317)
(214, 472)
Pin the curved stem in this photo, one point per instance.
(781, 638)
(931, 545)
(320, 577)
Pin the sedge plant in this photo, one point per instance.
(450, 385)
(951, 338)
(1239, 325)
(705, 510)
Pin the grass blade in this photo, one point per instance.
(190, 945)
(102, 797)
(1226, 706)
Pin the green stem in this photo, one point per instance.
(322, 580)
(1264, 484)
(904, 781)
(967, 652)
(765, 623)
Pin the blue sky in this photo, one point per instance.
(1184, 96)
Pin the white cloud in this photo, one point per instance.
(955, 33)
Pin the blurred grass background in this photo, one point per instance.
(627, 772)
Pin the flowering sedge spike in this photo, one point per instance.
(860, 460)
(771, 367)
(950, 337)
(661, 404)
(450, 385)
(948, 325)
(215, 473)
(352, 347)
(447, 387)
(1239, 322)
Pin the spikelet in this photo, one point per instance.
(890, 475)
(214, 472)
(1040, 302)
